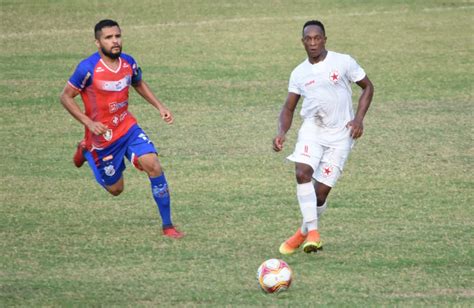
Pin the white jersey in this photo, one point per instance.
(327, 104)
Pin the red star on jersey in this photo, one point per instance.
(334, 76)
(327, 171)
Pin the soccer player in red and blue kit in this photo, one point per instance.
(111, 131)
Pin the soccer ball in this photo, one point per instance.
(274, 276)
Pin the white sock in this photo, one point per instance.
(304, 228)
(311, 225)
(307, 201)
(321, 209)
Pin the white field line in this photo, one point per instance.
(54, 32)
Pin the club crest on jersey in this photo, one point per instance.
(327, 171)
(109, 170)
(108, 135)
(334, 76)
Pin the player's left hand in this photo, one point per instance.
(356, 127)
(166, 115)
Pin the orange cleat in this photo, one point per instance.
(172, 232)
(293, 243)
(79, 158)
(313, 242)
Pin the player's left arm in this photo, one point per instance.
(144, 90)
(357, 124)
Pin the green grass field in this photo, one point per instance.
(399, 228)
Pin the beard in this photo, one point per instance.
(110, 54)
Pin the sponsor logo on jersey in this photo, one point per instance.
(99, 69)
(306, 151)
(107, 158)
(128, 79)
(310, 83)
(84, 81)
(115, 120)
(114, 107)
(144, 137)
(117, 85)
(123, 115)
(334, 76)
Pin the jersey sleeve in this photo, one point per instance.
(355, 73)
(81, 78)
(293, 85)
(136, 70)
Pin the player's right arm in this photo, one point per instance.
(69, 103)
(285, 119)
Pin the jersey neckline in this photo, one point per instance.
(107, 67)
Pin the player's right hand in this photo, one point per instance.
(97, 128)
(167, 116)
(278, 143)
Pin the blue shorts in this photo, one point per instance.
(108, 164)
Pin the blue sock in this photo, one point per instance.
(159, 188)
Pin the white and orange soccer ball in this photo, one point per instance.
(274, 275)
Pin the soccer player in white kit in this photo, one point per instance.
(328, 131)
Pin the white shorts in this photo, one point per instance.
(326, 162)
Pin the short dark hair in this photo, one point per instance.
(314, 23)
(105, 23)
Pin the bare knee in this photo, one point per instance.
(115, 191)
(302, 177)
(117, 188)
(304, 173)
(154, 170)
(151, 165)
